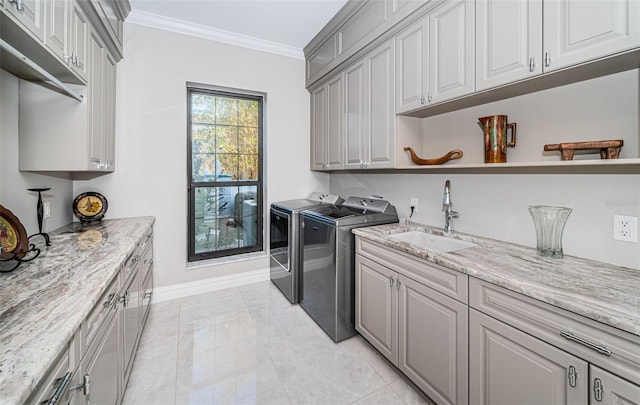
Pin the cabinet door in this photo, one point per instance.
(381, 116)
(29, 13)
(507, 366)
(110, 112)
(130, 322)
(576, 31)
(79, 41)
(96, 100)
(508, 41)
(355, 97)
(58, 15)
(433, 342)
(608, 389)
(319, 128)
(100, 368)
(145, 298)
(335, 123)
(412, 60)
(377, 306)
(451, 50)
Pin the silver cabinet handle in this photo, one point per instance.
(532, 64)
(20, 5)
(390, 281)
(429, 97)
(147, 296)
(62, 385)
(125, 299)
(573, 375)
(599, 348)
(85, 386)
(422, 99)
(398, 283)
(110, 300)
(547, 59)
(597, 389)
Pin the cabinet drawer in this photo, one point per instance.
(547, 322)
(98, 314)
(449, 282)
(55, 382)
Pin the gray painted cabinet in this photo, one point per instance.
(609, 389)
(421, 331)
(327, 130)
(29, 14)
(370, 110)
(412, 61)
(507, 367)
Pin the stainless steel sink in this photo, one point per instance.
(432, 242)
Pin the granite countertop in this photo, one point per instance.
(599, 291)
(43, 302)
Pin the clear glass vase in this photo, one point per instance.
(549, 222)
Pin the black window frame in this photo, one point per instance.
(192, 256)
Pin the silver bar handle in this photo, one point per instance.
(599, 348)
(547, 59)
(429, 97)
(390, 281)
(422, 99)
(85, 386)
(398, 283)
(20, 5)
(597, 389)
(110, 300)
(62, 385)
(573, 375)
(532, 64)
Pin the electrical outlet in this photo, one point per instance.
(46, 210)
(414, 204)
(625, 228)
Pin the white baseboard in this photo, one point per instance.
(176, 291)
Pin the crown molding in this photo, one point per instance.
(201, 31)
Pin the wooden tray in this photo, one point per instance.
(609, 149)
(454, 154)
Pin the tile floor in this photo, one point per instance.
(249, 345)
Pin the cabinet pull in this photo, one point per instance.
(390, 281)
(20, 5)
(62, 385)
(573, 375)
(85, 386)
(429, 97)
(110, 300)
(532, 64)
(597, 389)
(599, 348)
(547, 59)
(398, 283)
(147, 296)
(422, 99)
(125, 299)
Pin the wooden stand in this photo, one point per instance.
(454, 154)
(609, 149)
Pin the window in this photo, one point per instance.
(225, 172)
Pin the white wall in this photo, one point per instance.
(14, 184)
(495, 205)
(151, 139)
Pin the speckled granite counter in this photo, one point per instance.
(43, 302)
(599, 291)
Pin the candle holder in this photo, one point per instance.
(40, 210)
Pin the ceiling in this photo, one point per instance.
(291, 23)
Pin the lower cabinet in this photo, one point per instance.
(129, 321)
(609, 389)
(421, 331)
(99, 369)
(507, 366)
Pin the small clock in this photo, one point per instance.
(90, 207)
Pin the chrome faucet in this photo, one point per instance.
(449, 214)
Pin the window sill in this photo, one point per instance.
(225, 260)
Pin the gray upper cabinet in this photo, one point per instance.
(576, 31)
(57, 27)
(327, 131)
(507, 366)
(508, 41)
(79, 28)
(451, 50)
(29, 14)
(412, 61)
(369, 96)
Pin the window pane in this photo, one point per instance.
(203, 138)
(225, 218)
(248, 140)
(248, 167)
(203, 108)
(227, 167)
(226, 111)
(227, 139)
(203, 167)
(248, 113)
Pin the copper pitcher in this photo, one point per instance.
(495, 138)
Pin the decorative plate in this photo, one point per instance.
(89, 206)
(13, 237)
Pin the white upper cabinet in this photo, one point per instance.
(412, 60)
(576, 31)
(354, 88)
(29, 13)
(57, 27)
(318, 128)
(508, 41)
(451, 50)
